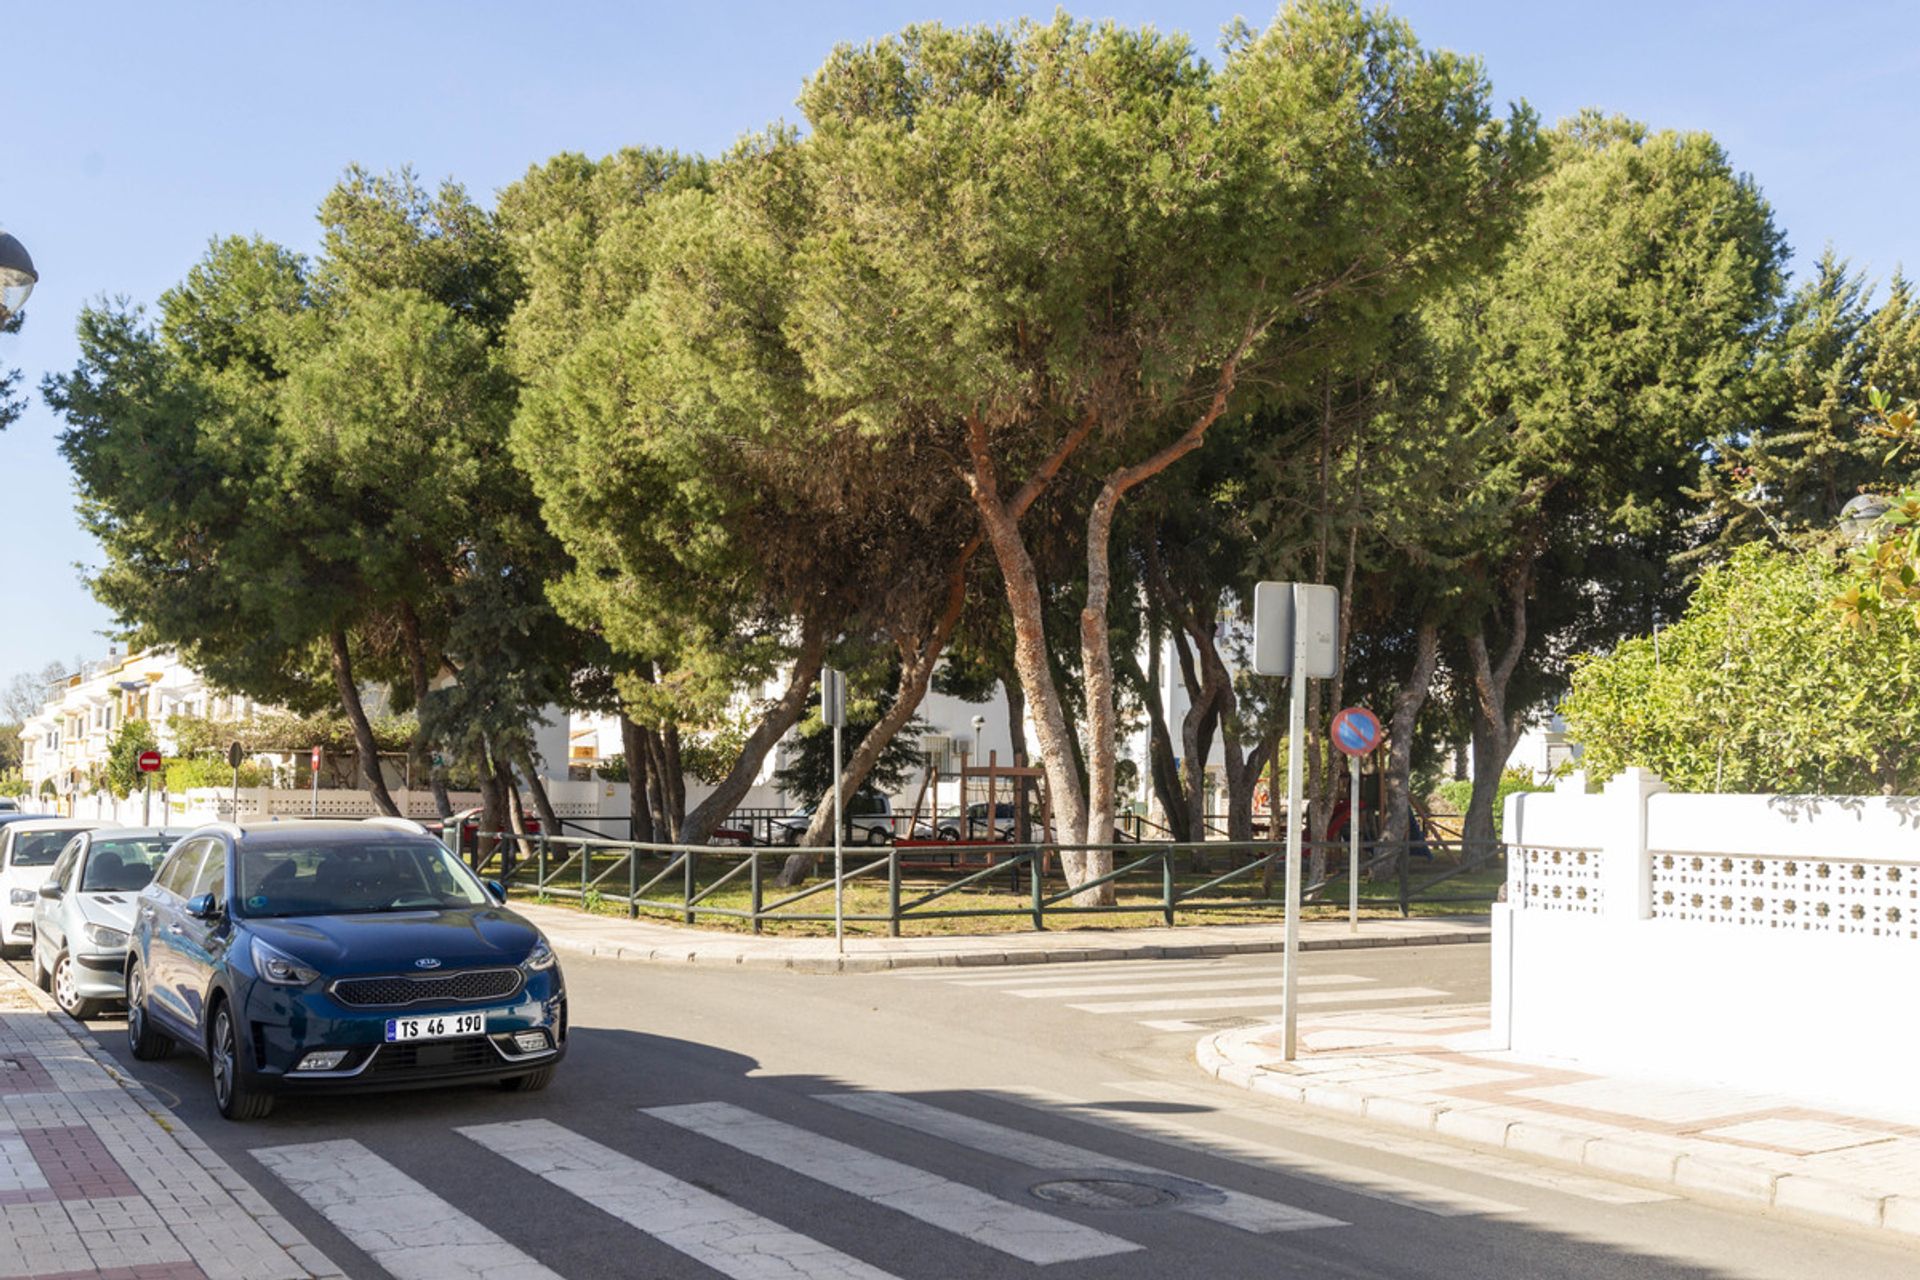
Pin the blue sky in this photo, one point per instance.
(132, 133)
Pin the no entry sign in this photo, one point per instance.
(149, 762)
(1355, 731)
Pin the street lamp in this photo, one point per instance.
(1861, 514)
(17, 277)
(979, 723)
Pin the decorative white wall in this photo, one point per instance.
(1771, 942)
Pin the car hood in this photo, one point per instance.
(394, 941)
(114, 910)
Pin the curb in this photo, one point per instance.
(281, 1231)
(1667, 1165)
(961, 959)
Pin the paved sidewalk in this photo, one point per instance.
(616, 937)
(99, 1181)
(1429, 1070)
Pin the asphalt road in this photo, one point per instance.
(941, 1125)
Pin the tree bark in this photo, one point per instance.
(633, 745)
(422, 682)
(493, 808)
(516, 813)
(1162, 765)
(362, 730)
(673, 780)
(1495, 729)
(1400, 731)
(542, 802)
(780, 717)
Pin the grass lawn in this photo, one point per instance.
(1139, 894)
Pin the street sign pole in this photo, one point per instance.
(315, 779)
(146, 802)
(1296, 757)
(234, 756)
(1353, 845)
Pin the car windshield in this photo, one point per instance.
(350, 878)
(39, 848)
(123, 865)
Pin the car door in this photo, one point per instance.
(49, 916)
(162, 908)
(200, 942)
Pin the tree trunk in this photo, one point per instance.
(779, 718)
(362, 730)
(633, 745)
(422, 682)
(1243, 772)
(1016, 718)
(1495, 728)
(673, 780)
(542, 802)
(493, 808)
(664, 827)
(516, 814)
(1400, 729)
(1162, 765)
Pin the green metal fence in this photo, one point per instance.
(948, 882)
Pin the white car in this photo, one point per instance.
(28, 850)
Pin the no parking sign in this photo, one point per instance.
(1355, 731)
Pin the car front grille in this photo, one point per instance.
(472, 1053)
(394, 992)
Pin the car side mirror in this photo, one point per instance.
(203, 907)
(498, 890)
(52, 889)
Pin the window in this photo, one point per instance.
(213, 872)
(68, 856)
(123, 866)
(177, 875)
(292, 879)
(39, 848)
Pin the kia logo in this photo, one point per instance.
(427, 963)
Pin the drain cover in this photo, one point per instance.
(1104, 1193)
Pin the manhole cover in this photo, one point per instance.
(1104, 1193)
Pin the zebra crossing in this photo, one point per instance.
(666, 1192)
(1187, 996)
(1036, 1201)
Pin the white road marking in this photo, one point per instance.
(715, 1232)
(1091, 971)
(1426, 1150)
(952, 1206)
(1155, 988)
(1254, 1002)
(1174, 1024)
(1236, 1209)
(1409, 1193)
(408, 1230)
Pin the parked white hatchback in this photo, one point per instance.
(28, 850)
(85, 912)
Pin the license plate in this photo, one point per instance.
(436, 1026)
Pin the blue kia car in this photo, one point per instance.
(306, 957)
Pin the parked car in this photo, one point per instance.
(974, 826)
(869, 819)
(28, 848)
(9, 805)
(337, 956)
(468, 821)
(85, 910)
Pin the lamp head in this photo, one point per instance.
(17, 276)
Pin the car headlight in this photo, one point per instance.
(21, 897)
(541, 957)
(101, 936)
(280, 968)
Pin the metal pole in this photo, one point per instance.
(839, 856)
(893, 891)
(236, 793)
(146, 803)
(1296, 756)
(633, 871)
(316, 789)
(1353, 846)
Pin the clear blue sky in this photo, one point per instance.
(130, 133)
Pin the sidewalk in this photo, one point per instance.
(615, 937)
(97, 1179)
(1428, 1070)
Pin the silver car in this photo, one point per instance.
(83, 912)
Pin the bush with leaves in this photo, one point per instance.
(1759, 687)
(1883, 574)
(122, 772)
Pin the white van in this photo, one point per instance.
(28, 849)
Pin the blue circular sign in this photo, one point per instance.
(1355, 731)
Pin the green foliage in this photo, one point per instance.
(1458, 793)
(1883, 574)
(12, 783)
(808, 773)
(122, 774)
(183, 774)
(281, 731)
(47, 788)
(1759, 687)
(707, 754)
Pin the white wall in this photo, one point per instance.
(1768, 942)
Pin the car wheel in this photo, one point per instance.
(67, 995)
(230, 1092)
(146, 1041)
(532, 1082)
(951, 834)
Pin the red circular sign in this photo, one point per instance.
(149, 762)
(1355, 731)
(316, 759)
